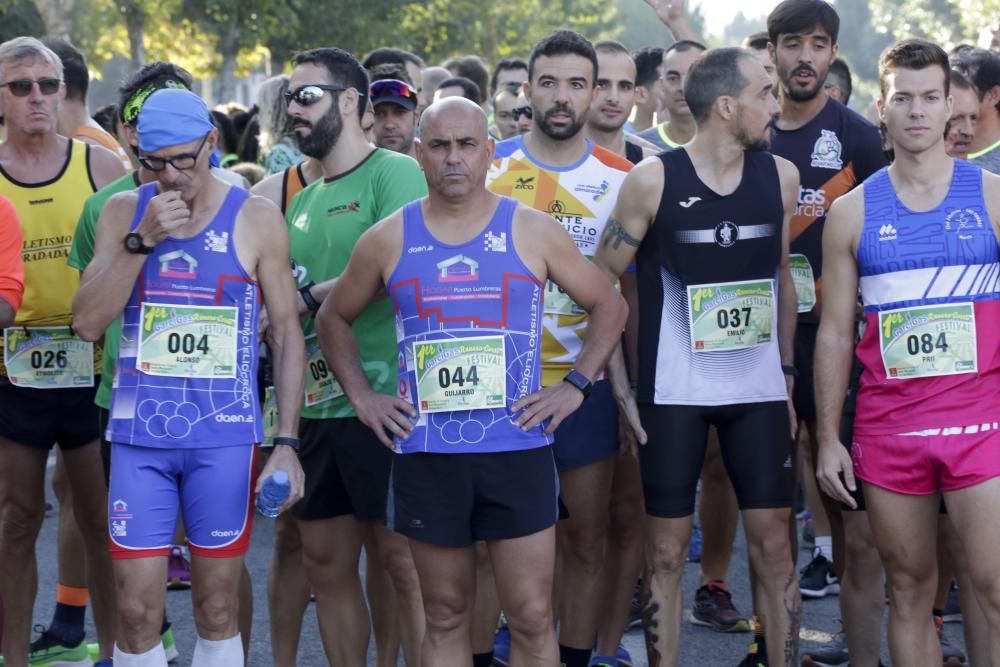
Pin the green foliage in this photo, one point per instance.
(947, 22)
(20, 17)
(741, 27)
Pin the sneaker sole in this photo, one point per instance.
(832, 589)
(740, 626)
(952, 618)
(176, 584)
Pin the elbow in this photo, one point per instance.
(86, 331)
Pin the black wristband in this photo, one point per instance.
(294, 443)
(310, 301)
(790, 370)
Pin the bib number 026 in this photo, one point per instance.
(48, 359)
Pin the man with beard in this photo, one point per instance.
(395, 102)
(555, 168)
(679, 126)
(834, 149)
(347, 486)
(717, 320)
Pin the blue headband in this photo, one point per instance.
(172, 117)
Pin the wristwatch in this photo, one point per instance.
(135, 245)
(791, 371)
(307, 297)
(294, 443)
(580, 381)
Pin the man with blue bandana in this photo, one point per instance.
(186, 262)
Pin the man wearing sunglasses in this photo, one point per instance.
(522, 114)
(347, 488)
(395, 102)
(47, 376)
(185, 261)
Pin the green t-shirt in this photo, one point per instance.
(80, 254)
(325, 220)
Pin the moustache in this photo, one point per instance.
(804, 68)
(301, 122)
(561, 108)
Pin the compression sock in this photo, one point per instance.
(71, 610)
(222, 653)
(574, 657)
(154, 657)
(482, 659)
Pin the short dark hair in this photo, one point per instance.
(841, 73)
(560, 43)
(715, 73)
(796, 16)
(912, 54)
(683, 46)
(647, 64)
(107, 118)
(387, 55)
(757, 41)
(389, 71)
(344, 69)
(470, 90)
(957, 79)
(471, 68)
(227, 132)
(158, 70)
(75, 72)
(983, 68)
(505, 65)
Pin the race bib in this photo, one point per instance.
(461, 374)
(557, 302)
(804, 281)
(321, 386)
(928, 341)
(269, 414)
(187, 341)
(47, 358)
(728, 316)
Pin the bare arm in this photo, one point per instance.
(788, 311)
(372, 258)
(108, 280)
(835, 341)
(104, 166)
(671, 12)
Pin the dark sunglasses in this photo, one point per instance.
(521, 111)
(179, 162)
(310, 94)
(392, 88)
(23, 87)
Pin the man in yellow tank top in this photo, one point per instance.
(47, 374)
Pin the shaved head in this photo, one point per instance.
(444, 113)
(455, 148)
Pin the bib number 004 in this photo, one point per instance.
(187, 341)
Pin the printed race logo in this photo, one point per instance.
(726, 234)
(826, 151)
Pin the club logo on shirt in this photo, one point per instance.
(458, 269)
(178, 264)
(726, 234)
(352, 207)
(495, 243)
(525, 183)
(826, 151)
(962, 219)
(217, 242)
(119, 529)
(887, 232)
(691, 201)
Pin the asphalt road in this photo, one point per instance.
(700, 647)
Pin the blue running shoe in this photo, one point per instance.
(694, 548)
(501, 647)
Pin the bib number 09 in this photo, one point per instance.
(457, 376)
(318, 369)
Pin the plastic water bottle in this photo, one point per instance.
(275, 491)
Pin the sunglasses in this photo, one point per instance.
(392, 88)
(23, 87)
(521, 111)
(179, 162)
(310, 93)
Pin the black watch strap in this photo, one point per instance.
(135, 244)
(311, 303)
(580, 381)
(294, 443)
(790, 370)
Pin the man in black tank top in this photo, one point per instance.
(716, 325)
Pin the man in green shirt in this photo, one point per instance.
(347, 466)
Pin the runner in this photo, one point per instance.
(679, 126)
(471, 448)
(928, 392)
(47, 177)
(695, 244)
(555, 168)
(395, 102)
(168, 448)
(834, 150)
(964, 115)
(11, 266)
(984, 70)
(346, 493)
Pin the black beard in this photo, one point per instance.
(804, 95)
(324, 135)
(559, 134)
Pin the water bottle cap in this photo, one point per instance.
(280, 477)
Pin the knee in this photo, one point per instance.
(860, 551)
(287, 540)
(19, 526)
(216, 612)
(446, 612)
(912, 585)
(666, 554)
(583, 543)
(625, 519)
(531, 618)
(136, 619)
(771, 552)
(399, 565)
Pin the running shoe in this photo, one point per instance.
(624, 657)
(756, 654)
(50, 649)
(107, 662)
(178, 570)
(501, 647)
(818, 578)
(713, 608)
(952, 608)
(950, 654)
(830, 654)
(169, 644)
(694, 546)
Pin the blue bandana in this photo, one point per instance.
(172, 117)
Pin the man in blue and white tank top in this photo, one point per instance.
(186, 262)
(465, 271)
